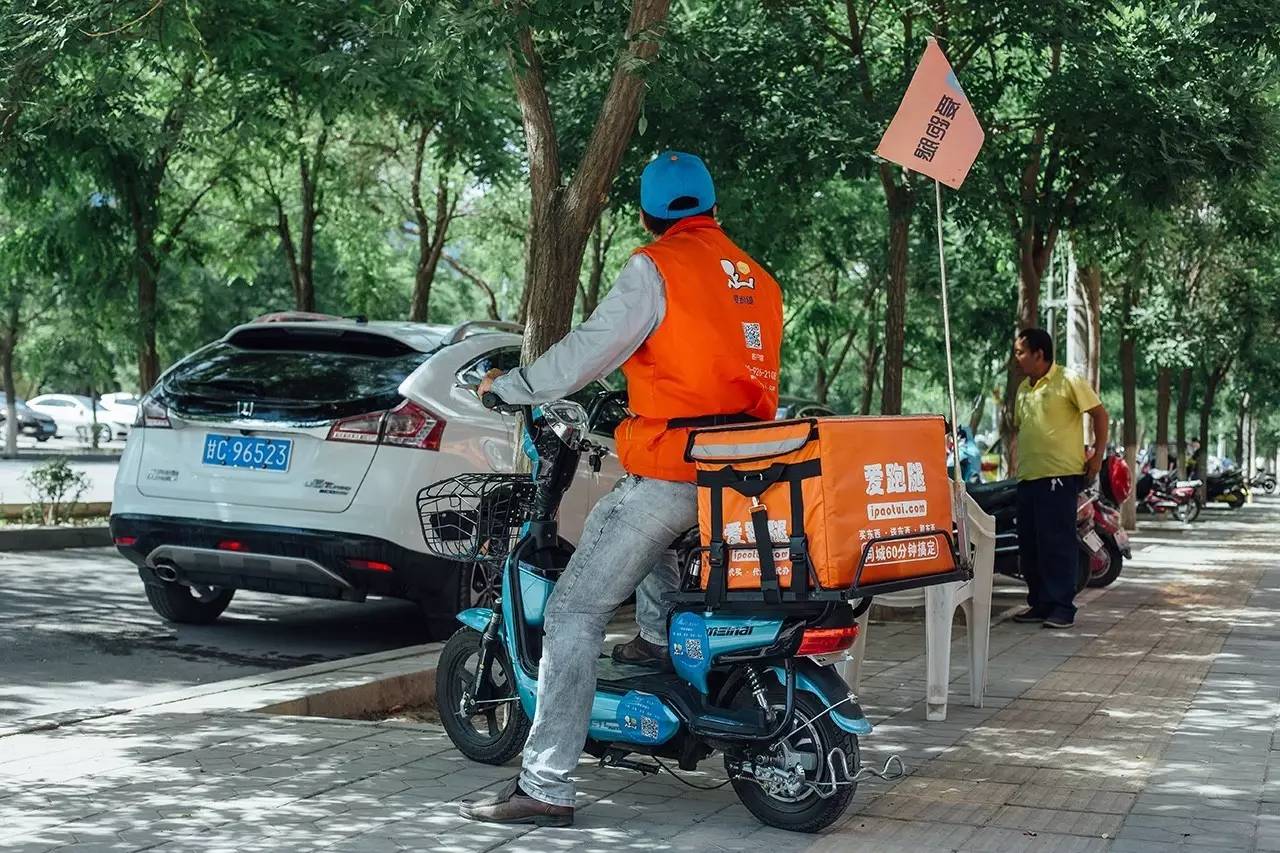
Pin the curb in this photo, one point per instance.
(348, 688)
(54, 538)
(82, 509)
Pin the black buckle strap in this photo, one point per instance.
(718, 576)
(764, 544)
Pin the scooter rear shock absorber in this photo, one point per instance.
(757, 688)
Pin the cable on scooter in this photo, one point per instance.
(685, 781)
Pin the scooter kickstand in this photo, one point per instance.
(615, 758)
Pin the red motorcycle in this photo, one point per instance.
(1103, 540)
(1160, 491)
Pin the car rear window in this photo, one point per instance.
(304, 372)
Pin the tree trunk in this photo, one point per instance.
(561, 217)
(1206, 416)
(305, 287)
(551, 274)
(148, 354)
(820, 389)
(430, 249)
(7, 347)
(1163, 383)
(601, 242)
(431, 239)
(1128, 374)
(869, 369)
(140, 192)
(1242, 419)
(895, 311)
(1180, 420)
(1092, 277)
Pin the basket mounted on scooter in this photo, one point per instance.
(850, 507)
(475, 517)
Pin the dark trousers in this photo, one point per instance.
(1048, 551)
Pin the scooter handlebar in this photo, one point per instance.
(494, 403)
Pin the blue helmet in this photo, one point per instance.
(676, 175)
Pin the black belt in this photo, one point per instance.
(711, 421)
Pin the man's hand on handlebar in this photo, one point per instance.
(492, 401)
(486, 384)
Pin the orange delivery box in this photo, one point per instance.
(824, 492)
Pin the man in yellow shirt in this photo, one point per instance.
(1052, 470)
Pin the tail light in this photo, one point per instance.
(407, 425)
(152, 414)
(232, 545)
(126, 541)
(368, 565)
(825, 641)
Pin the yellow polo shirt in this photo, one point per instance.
(1050, 429)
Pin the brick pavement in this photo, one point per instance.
(1152, 725)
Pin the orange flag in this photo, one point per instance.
(934, 131)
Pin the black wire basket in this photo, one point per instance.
(475, 517)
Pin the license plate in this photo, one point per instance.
(247, 451)
(1093, 541)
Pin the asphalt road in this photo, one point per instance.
(76, 631)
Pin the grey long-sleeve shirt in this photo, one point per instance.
(622, 321)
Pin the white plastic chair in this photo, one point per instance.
(940, 603)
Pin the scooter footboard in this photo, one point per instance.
(825, 683)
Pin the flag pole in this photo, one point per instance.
(960, 512)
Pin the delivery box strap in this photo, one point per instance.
(802, 569)
(753, 484)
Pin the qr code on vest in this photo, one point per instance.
(751, 331)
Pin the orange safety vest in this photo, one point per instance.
(716, 351)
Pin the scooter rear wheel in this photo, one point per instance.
(493, 733)
(1188, 512)
(1113, 567)
(814, 741)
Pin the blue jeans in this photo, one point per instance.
(1048, 549)
(651, 610)
(626, 534)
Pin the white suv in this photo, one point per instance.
(287, 457)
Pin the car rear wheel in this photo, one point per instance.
(188, 605)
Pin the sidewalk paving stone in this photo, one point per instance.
(1154, 724)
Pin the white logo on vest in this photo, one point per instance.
(736, 273)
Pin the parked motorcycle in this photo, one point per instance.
(1264, 481)
(1160, 491)
(1227, 487)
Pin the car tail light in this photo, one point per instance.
(368, 565)
(361, 429)
(825, 641)
(126, 541)
(152, 414)
(407, 425)
(232, 545)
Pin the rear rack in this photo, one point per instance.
(856, 590)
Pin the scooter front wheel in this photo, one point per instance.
(1188, 512)
(491, 729)
(803, 782)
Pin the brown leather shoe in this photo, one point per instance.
(641, 652)
(511, 805)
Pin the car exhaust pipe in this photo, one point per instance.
(167, 572)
